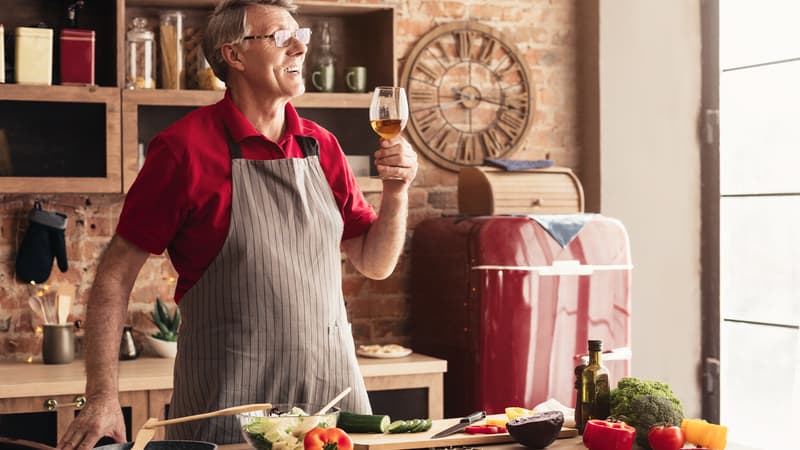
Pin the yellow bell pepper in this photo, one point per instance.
(700, 432)
(514, 412)
(496, 422)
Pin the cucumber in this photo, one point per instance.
(413, 424)
(363, 423)
(424, 426)
(398, 426)
(410, 426)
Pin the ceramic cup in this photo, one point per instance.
(58, 345)
(323, 78)
(356, 78)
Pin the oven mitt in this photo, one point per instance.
(43, 241)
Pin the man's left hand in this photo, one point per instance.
(396, 162)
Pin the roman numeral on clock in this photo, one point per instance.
(428, 122)
(487, 49)
(422, 95)
(427, 71)
(491, 143)
(440, 143)
(517, 101)
(510, 123)
(463, 44)
(466, 148)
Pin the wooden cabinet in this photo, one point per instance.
(87, 139)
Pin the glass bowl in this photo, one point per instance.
(284, 426)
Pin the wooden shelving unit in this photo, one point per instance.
(364, 36)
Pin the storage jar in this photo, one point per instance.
(171, 49)
(77, 56)
(140, 56)
(33, 57)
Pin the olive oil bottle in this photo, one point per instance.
(594, 386)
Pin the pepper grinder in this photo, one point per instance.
(127, 346)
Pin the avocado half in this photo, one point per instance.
(538, 430)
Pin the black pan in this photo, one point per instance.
(163, 445)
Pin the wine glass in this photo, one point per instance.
(388, 113)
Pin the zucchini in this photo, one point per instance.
(363, 423)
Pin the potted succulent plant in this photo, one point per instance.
(165, 341)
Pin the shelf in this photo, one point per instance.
(78, 94)
(305, 7)
(171, 97)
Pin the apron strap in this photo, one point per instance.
(308, 145)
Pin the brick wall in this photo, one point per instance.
(545, 31)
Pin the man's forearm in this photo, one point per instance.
(105, 317)
(384, 241)
(106, 314)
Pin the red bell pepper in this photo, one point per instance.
(327, 439)
(603, 435)
(485, 429)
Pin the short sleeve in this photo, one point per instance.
(155, 205)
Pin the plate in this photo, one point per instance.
(383, 351)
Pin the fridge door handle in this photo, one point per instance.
(559, 268)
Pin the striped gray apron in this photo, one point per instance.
(266, 322)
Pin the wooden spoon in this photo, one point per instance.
(147, 431)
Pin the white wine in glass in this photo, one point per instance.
(388, 112)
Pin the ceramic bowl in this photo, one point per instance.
(161, 348)
(284, 426)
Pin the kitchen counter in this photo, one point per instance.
(22, 379)
(575, 443)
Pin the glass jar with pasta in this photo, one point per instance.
(170, 39)
(140, 56)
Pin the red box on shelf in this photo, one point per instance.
(77, 56)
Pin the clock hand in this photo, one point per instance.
(462, 94)
(442, 105)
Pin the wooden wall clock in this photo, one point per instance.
(470, 95)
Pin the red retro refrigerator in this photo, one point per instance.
(510, 302)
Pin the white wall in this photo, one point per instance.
(650, 86)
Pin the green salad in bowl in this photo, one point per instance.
(284, 426)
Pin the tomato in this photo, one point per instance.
(665, 437)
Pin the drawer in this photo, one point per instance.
(493, 191)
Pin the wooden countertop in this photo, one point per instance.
(575, 443)
(23, 379)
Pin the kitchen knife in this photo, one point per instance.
(463, 423)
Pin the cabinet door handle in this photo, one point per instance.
(51, 404)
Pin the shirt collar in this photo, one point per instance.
(240, 128)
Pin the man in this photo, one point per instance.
(252, 203)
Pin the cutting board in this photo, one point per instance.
(373, 441)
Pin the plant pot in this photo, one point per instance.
(164, 349)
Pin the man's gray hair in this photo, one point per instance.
(227, 25)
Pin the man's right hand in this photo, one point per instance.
(99, 418)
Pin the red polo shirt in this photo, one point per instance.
(181, 199)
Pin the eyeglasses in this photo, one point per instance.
(281, 37)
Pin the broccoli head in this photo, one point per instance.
(630, 388)
(648, 410)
